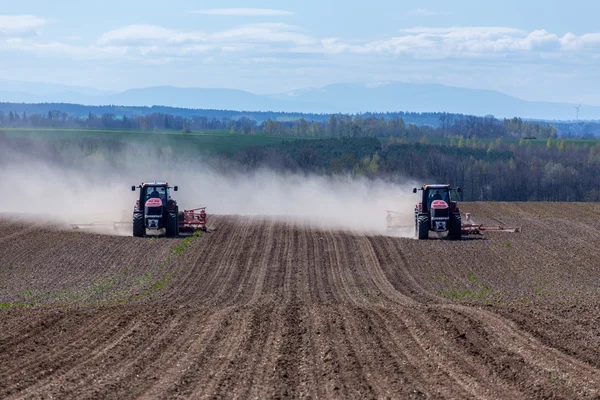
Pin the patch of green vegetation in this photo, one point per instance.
(163, 282)
(507, 243)
(25, 294)
(555, 378)
(4, 306)
(152, 286)
(186, 242)
(103, 286)
(7, 268)
(474, 290)
(542, 288)
(144, 279)
(472, 278)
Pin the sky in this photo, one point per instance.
(545, 50)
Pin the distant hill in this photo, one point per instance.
(435, 98)
(337, 98)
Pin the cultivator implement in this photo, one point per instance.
(193, 220)
(396, 221)
(470, 228)
(103, 224)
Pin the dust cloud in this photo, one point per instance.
(81, 196)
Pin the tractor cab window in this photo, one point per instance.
(157, 192)
(437, 194)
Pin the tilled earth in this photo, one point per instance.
(264, 308)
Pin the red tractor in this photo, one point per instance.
(155, 210)
(436, 212)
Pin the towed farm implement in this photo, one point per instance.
(470, 228)
(437, 213)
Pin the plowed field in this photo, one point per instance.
(263, 308)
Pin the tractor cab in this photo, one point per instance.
(432, 193)
(155, 190)
(436, 194)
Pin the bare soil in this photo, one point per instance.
(266, 308)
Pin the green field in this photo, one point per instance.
(221, 141)
(199, 142)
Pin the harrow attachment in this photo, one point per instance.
(103, 224)
(396, 220)
(193, 220)
(470, 228)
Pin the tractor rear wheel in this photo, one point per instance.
(171, 225)
(423, 228)
(455, 232)
(139, 229)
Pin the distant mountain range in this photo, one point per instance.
(342, 98)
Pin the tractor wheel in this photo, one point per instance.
(455, 232)
(416, 226)
(171, 225)
(139, 229)
(423, 228)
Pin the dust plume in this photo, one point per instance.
(84, 195)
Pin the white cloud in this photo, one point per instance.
(421, 12)
(133, 34)
(588, 41)
(244, 12)
(268, 33)
(17, 25)
(466, 30)
(263, 41)
(468, 42)
(150, 39)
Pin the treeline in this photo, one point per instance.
(578, 129)
(450, 125)
(336, 125)
(82, 111)
(494, 172)
(57, 115)
(150, 122)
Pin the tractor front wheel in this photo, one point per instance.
(139, 229)
(416, 226)
(423, 227)
(455, 227)
(171, 225)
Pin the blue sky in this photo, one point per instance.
(536, 50)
